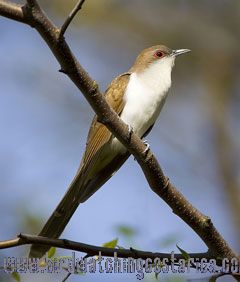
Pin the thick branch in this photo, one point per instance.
(200, 223)
(90, 250)
(12, 11)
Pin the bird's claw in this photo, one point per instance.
(130, 131)
(167, 181)
(147, 147)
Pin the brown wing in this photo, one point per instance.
(98, 134)
(82, 186)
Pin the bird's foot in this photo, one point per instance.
(147, 147)
(146, 150)
(167, 181)
(130, 131)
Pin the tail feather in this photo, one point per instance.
(59, 218)
(78, 192)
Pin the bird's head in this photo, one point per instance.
(156, 55)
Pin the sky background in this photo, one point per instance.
(44, 122)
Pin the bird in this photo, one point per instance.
(137, 96)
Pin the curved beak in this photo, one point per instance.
(179, 52)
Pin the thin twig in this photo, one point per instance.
(67, 276)
(70, 17)
(91, 250)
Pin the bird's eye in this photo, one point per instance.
(158, 54)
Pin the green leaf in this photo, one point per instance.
(16, 276)
(126, 230)
(111, 244)
(51, 252)
(184, 253)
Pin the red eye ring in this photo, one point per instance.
(158, 54)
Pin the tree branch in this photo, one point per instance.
(12, 11)
(90, 250)
(33, 3)
(70, 17)
(201, 224)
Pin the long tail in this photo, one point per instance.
(59, 218)
(78, 192)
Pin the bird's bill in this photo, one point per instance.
(179, 52)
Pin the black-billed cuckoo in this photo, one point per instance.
(138, 97)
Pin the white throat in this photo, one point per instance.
(145, 95)
(157, 77)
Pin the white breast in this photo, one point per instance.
(145, 95)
